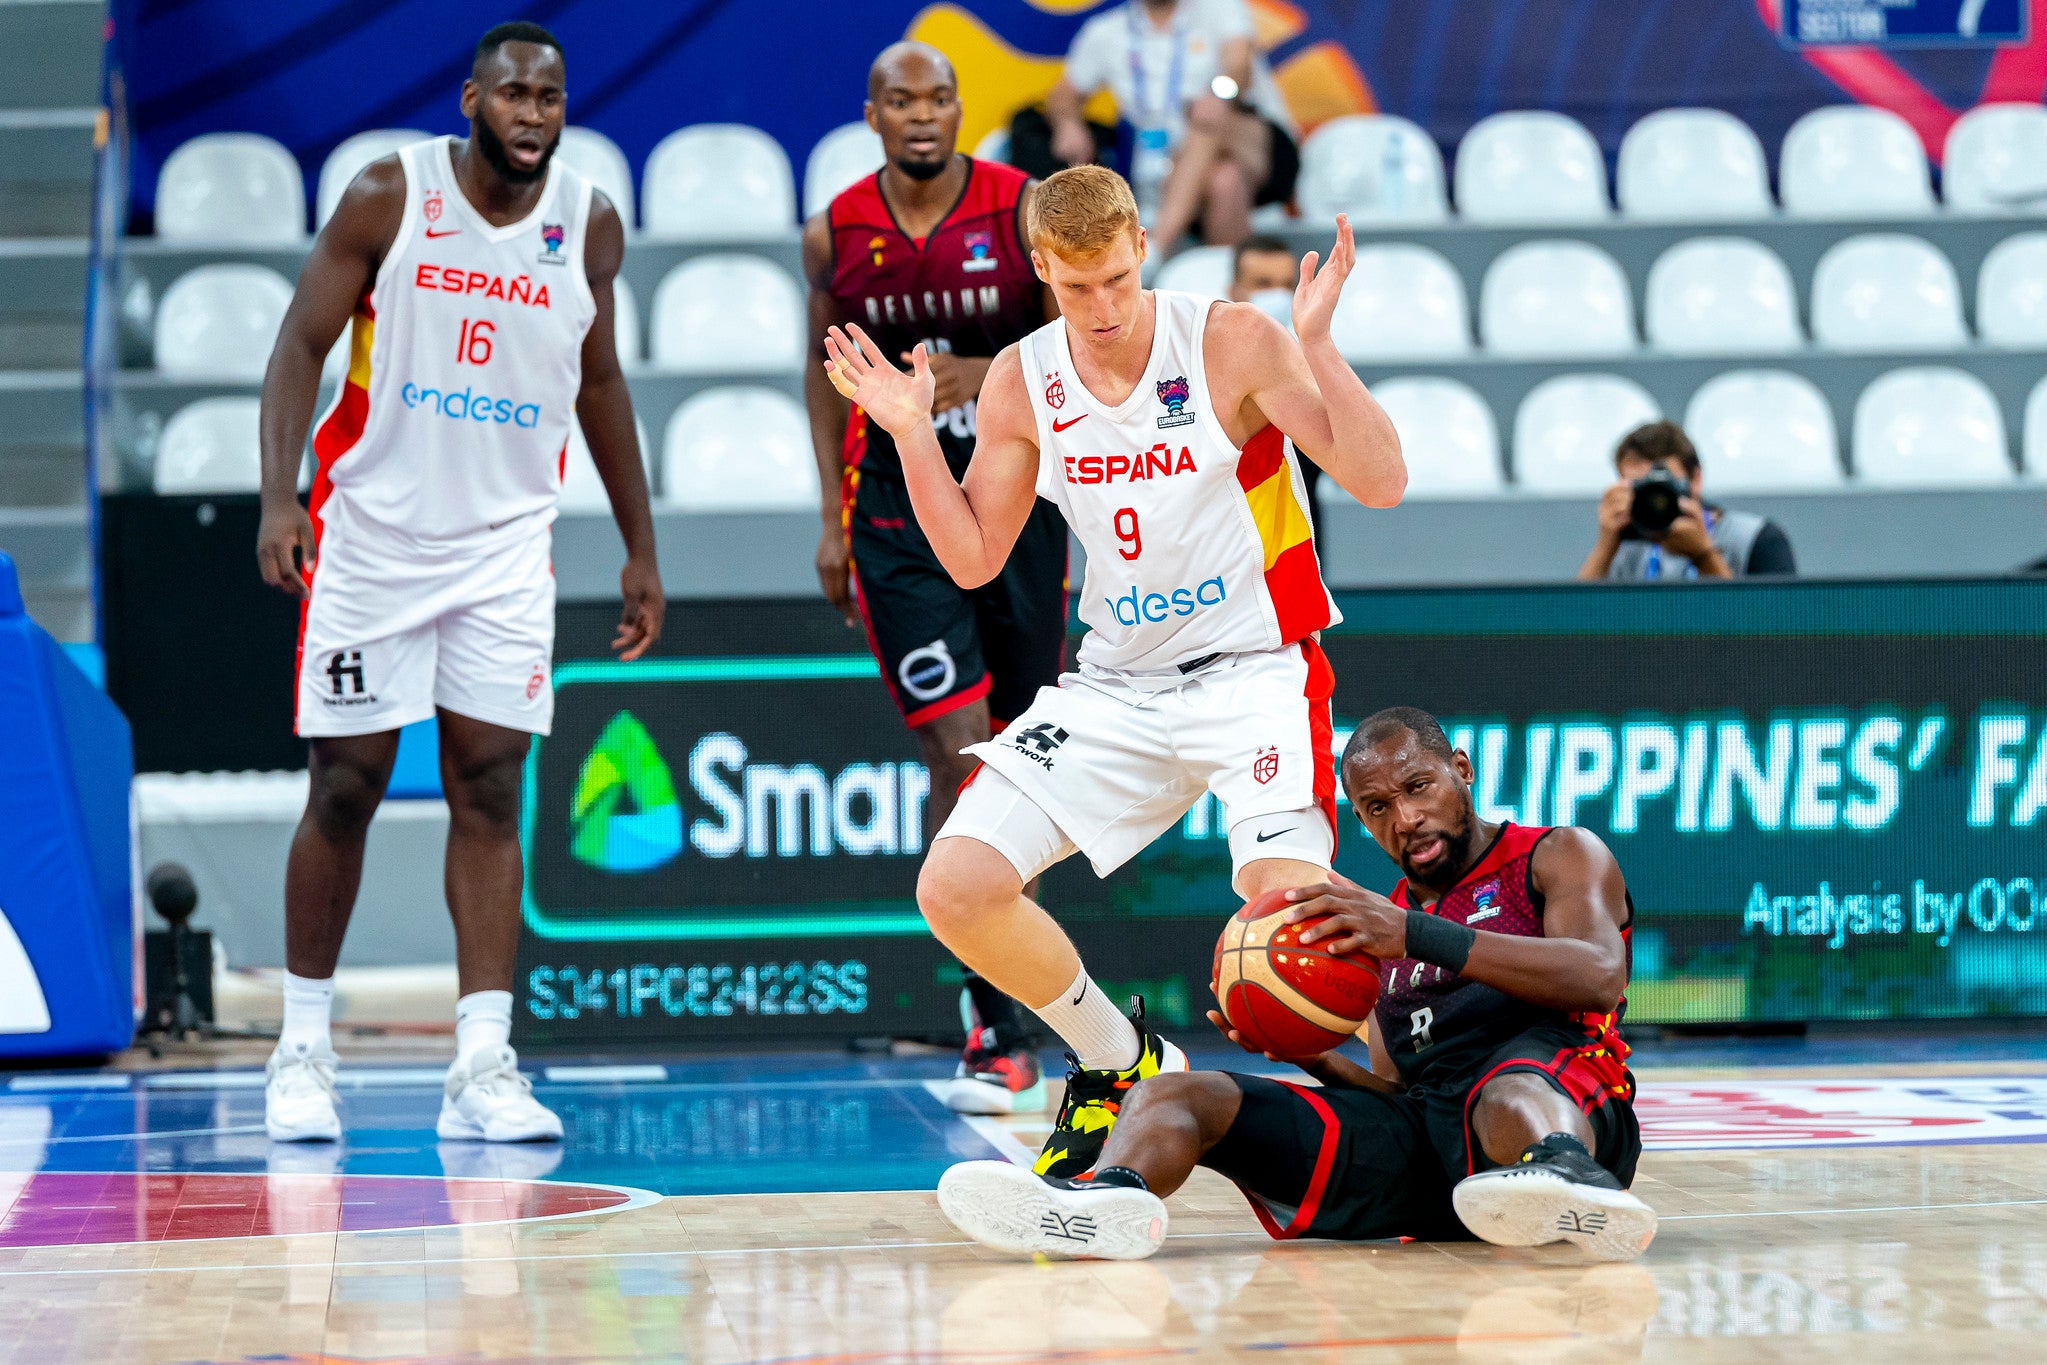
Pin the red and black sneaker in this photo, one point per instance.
(994, 1079)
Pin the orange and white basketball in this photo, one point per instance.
(1283, 998)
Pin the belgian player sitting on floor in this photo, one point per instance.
(1498, 1103)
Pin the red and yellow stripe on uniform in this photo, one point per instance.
(1293, 576)
(335, 436)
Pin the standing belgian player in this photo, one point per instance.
(930, 249)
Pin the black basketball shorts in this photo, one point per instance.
(942, 646)
(1355, 1165)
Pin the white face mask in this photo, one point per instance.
(1277, 304)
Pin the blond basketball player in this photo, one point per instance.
(1165, 426)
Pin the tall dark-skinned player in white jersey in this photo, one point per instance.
(1200, 672)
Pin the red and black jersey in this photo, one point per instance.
(1438, 1025)
(967, 287)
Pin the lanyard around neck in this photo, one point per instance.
(1175, 71)
(1655, 565)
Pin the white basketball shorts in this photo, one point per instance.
(1114, 760)
(384, 641)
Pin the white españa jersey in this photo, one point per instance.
(1194, 547)
(445, 441)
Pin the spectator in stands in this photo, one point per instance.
(1265, 272)
(1211, 138)
(1655, 525)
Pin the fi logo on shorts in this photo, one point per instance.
(345, 680)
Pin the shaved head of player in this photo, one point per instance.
(913, 101)
(473, 279)
(515, 100)
(1166, 427)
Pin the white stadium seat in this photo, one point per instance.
(1995, 160)
(1553, 298)
(2034, 454)
(231, 187)
(1203, 270)
(1530, 167)
(345, 162)
(220, 321)
(2011, 292)
(840, 158)
(211, 446)
(1886, 291)
(728, 313)
(1721, 296)
(598, 160)
(994, 145)
(1693, 165)
(1447, 435)
(1375, 167)
(1764, 431)
(582, 486)
(739, 449)
(625, 323)
(1568, 428)
(718, 182)
(1929, 426)
(1401, 303)
(1853, 161)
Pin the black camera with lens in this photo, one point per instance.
(1656, 503)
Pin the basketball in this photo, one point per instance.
(1283, 998)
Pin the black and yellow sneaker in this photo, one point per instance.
(1093, 1099)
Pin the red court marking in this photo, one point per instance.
(66, 1208)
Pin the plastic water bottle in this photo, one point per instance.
(1393, 172)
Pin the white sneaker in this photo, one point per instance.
(1009, 1208)
(298, 1094)
(487, 1098)
(1561, 1199)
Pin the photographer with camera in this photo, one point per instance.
(1654, 525)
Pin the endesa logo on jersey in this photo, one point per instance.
(1134, 608)
(1157, 463)
(466, 405)
(448, 279)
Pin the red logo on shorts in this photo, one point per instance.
(1055, 390)
(432, 207)
(1265, 767)
(536, 682)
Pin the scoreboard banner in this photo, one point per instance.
(1827, 798)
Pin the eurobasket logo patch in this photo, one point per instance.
(624, 817)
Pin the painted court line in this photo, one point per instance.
(831, 1249)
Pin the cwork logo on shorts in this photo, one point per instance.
(1038, 742)
(345, 677)
(928, 673)
(1132, 609)
(460, 405)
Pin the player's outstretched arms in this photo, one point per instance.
(1304, 386)
(972, 525)
(338, 269)
(1580, 964)
(604, 406)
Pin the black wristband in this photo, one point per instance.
(1439, 942)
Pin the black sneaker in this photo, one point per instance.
(995, 1079)
(1007, 1207)
(1556, 1192)
(1093, 1099)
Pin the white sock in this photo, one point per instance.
(1092, 1026)
(308, 1011)
(483, 1019)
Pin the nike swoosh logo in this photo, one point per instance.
(1058, 426)
(445, 232)
(1276, 833)
(1078, 998)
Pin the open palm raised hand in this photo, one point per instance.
(895, 400)
(1316, 295)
